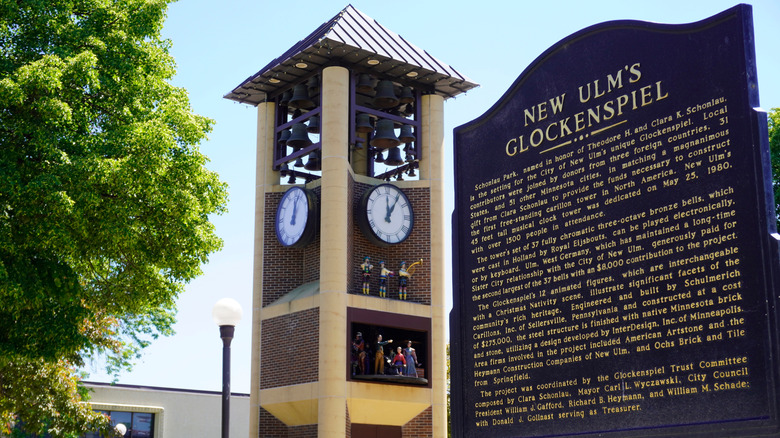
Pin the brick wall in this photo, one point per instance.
(417, 246)
(284, 269)
(420, 426)
(289, 349)
(270, 426)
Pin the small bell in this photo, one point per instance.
(298, 162)
(314, 125)
(283, 137)
(313, 163)
(385, 95)
(379, 157)
(285, 98)
(292, 178)
(363, 123)
(300, 97)
(313, 84)
(365, 84)
(406, 95)
(394, 157)
(406, 135)
(284, 169)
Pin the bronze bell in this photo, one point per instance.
(313, 163)
(300, 97)
(292, 178)
(384, 138)
(379, 157)
(283, 137)
(385, 95)
(363, 123)
(365, 84)
(408, 110)
(298, 162)
(394, 157)
(313, 84)
(314, 125)
(284, 169)
(406, 95)
(406, 134)
(411, 172)
(285, 98)
(299, 137)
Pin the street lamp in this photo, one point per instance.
(226, 313)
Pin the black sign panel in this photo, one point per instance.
(614, 260)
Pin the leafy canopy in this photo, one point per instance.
(104, 195)
(774, 149)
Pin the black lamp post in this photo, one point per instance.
(226, 313)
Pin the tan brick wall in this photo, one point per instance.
(290, 349)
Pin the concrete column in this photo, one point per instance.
(432, 169)
(334, 202)
(265, 179)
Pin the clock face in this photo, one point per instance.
(386, 215)
(295, 218)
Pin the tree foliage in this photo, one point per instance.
(104, 194)
(774, 149)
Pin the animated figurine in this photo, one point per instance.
(379, 355)
(404, 274)
(399, 362)
(366, 267)
(410, 354)
(359, 354)
(383, 274)
(403, 277)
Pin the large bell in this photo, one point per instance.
(385, 135)
(406, 95)
(385, 95)
(365, 84)
(363, 123)
(406, 134)
(300, 97)
(394, 157)
(299, 137)
(314, 125)
(313, 163)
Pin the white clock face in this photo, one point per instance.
(292, 217)
(388, 213)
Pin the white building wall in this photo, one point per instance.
(178, 413)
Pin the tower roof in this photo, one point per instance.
(355, 40)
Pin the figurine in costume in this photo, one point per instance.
(383, 274)
(399, 361)
(403, 277)
(404, 274)
(411, 360)
(379, 355)
(366, 267)
(359, 354)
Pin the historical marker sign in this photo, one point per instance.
(614, 263)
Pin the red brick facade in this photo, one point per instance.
(420, 426)
(289, 349)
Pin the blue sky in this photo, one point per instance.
(217, 45)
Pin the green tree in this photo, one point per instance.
(774, 148)
(104, 195)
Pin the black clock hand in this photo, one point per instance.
(390, 209)
(295, 211)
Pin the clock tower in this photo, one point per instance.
(349, 310)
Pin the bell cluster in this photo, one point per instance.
(381, 109)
